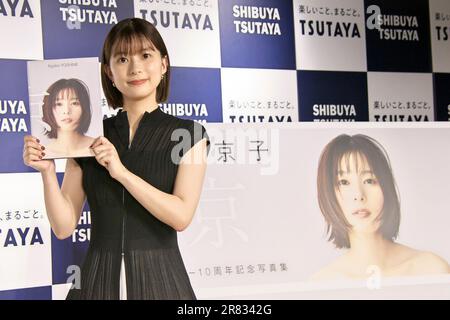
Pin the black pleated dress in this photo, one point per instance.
(122, 227)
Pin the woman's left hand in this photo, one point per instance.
(106, 154)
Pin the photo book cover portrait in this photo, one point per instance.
(65, 108)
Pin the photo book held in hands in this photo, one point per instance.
(65, 109)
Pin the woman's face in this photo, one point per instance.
(359, 194)
(67, 110)
(137, 75)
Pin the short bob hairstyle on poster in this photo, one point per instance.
(369, 150)
(82, 93)
(129, 36)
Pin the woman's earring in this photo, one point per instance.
(114, 85)
(162, 77)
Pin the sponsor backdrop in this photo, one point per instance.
(234, 61)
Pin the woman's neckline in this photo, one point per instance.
(145, 112)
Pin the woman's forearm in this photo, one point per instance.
(166, 207)
(59, 209)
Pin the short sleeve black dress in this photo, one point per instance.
(122, 226)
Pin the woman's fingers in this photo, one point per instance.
(103, 159)
(99, 141)
(102, 156)
(30, 141)
(100, 149)
(32, 154)
(33, 157)
(29, 158)
(33, 151)
(95, 143)
(30, 138)
(34, 146)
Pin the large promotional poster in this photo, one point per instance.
(355, 212)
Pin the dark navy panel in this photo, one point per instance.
(406, 54)
(442, 96)
(327, 96)
(65, 39)
(270, 47)
(37, 293)
(194, 91)
(14, 114)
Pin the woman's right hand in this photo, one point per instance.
(33, 152)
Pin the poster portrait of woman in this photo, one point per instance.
(360, 202)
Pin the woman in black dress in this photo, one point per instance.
(144, 183)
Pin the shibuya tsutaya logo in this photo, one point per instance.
(392, 27)
(88, 11)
